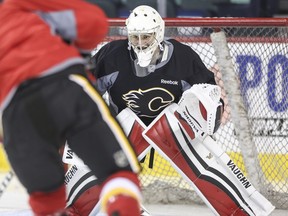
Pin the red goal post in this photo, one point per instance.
(256, 94)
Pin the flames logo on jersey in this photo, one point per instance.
(148, 103)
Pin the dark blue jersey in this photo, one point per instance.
(147, 96)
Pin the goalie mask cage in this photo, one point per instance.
(250, 63)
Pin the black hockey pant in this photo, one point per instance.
(45, 113)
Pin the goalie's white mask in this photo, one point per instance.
(145, 28)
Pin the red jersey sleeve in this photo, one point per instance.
(91, 23)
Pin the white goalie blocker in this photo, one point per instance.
(179, 134)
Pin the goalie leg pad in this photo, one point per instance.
(162, 137)
(260, 204)
(197, 165)
(133, 128)
(69, 157)
(86, 202)
(83, 191)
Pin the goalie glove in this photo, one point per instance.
(201, 108)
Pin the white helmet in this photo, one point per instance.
(145, 29)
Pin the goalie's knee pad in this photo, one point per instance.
(121, 194)
(200, 106)
(133, 128)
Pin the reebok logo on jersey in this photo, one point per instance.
(170, 82)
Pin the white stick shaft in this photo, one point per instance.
(5, 182)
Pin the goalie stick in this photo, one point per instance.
(9, 176)
(6, 181)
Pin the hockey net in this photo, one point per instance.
(254, 131)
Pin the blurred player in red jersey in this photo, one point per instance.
(46, 99)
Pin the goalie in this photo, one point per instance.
(150, 79)
(146, 73)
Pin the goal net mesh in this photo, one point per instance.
(258, 48)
